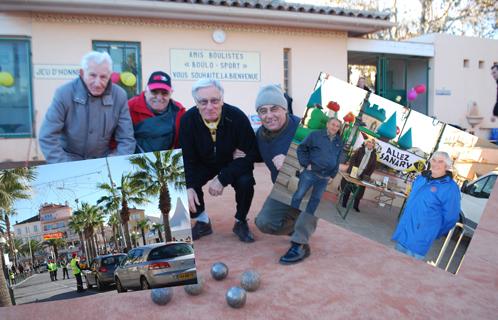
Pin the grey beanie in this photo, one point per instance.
(271, 95)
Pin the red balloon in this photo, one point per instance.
(115, 77)
(420, 88)
(412, 95)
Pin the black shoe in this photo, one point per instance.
(297, 252)
(241, 229)
(201, 229)
(356, 209)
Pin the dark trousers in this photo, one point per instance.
(346, 188)
(244, 192)
(53, 275)
(79, 282)
(65, 273)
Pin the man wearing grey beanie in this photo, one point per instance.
(274, 138)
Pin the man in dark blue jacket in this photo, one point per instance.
(210, 133)
(319, 154)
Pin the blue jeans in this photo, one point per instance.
(308, 179)
(407, 251)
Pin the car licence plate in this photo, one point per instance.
(186, 276)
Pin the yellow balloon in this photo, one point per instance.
(6, 79)
(128, 79)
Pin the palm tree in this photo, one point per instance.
(100, 219)
(90, 219)
(14, 185)
(35, 246)
(114, 224)
(128, 192)
(134, 238)
(143, 225)
(155, 177)
(56, 244)
(77, 224)
(158, 227)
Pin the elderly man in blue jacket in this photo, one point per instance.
(86, 114)
(432, 209)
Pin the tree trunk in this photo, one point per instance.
(125, 217)
(102, 231)
(127, 235)
(82, 243)
(4, 288)
(9, 237)
(56, 252)
(160, 234)
(143, 235)
(116, 244)
(96, 239)
(165, 207)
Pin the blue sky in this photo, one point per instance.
(58, 183)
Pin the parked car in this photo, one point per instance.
(475, 195)
(157, 265)
(101, 270)
(42, 267)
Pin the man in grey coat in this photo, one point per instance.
(86, 114)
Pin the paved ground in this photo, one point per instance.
(39, 288)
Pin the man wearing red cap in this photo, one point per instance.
(155, 116)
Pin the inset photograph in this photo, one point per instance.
(92, 226)
(386, 172)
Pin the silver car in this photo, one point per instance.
(101, 271)
(157, 265)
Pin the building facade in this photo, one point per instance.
(29, 229)
(245, 44)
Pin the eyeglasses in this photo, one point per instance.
(205, 102)
(264, 111)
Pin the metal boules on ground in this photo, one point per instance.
(195, 289)
(219, 271)
(161, 296)
(250, 280)
(236, 297)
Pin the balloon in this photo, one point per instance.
(128, 79)
(412, 95)
(6, 79)
(420, 88)
(115, 77)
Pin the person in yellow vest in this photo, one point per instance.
(77, 272)
(51, 268)
(12, 277)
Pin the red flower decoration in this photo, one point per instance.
(334, 106)
(349, 117)
(397, 130)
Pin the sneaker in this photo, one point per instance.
(201, 229)
(296, 253)
(241, 229)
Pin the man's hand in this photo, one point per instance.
(215, 187)
(192, 200)
(238, 154)
(278, 161)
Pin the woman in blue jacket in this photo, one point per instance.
(432, 209)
